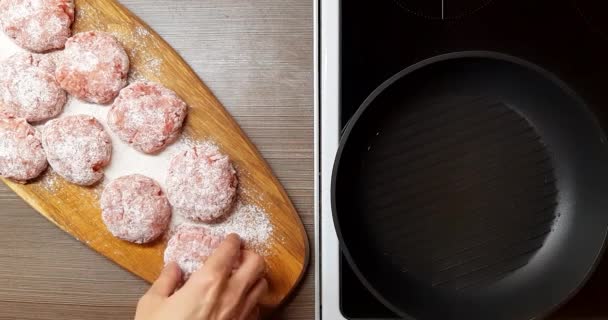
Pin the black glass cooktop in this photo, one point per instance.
(379, 38)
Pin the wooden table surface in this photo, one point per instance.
(256, 56)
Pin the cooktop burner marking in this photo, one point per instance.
(442, 9)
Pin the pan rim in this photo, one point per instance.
(350, 125)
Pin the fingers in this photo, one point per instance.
(249, 272)
(216, 270)
(252, 299)
(225, 256)
(167, 281)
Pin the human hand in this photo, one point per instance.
(217, 291)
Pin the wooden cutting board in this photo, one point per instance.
(76, 209)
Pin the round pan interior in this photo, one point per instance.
(471, 186)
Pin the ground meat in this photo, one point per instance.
(77, 148)
(147, 116)
(134, 208)
(190, 246)
(93, 67)
(43, 61)
(28, 88)
(201, 185)
(21, 155)
(37, 25)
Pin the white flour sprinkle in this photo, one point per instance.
(142, 32)
(88, 62)
(137, 43)
(152, 65)
(49, 180)
(7, 47)
(32, 89)
(251, 223)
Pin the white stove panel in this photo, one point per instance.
(328, 127)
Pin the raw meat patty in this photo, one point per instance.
(37, 25)
(28, 88)
(190, 247)
(147, 116)
(201, 184)
(21, 155)
(93, 67)
(77, 148)
(27, 59)
(134, 208)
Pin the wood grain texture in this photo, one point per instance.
(264, 116)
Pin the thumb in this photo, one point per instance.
(167, 282)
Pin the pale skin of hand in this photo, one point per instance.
(217, 291)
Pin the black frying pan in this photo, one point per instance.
(472, 185)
